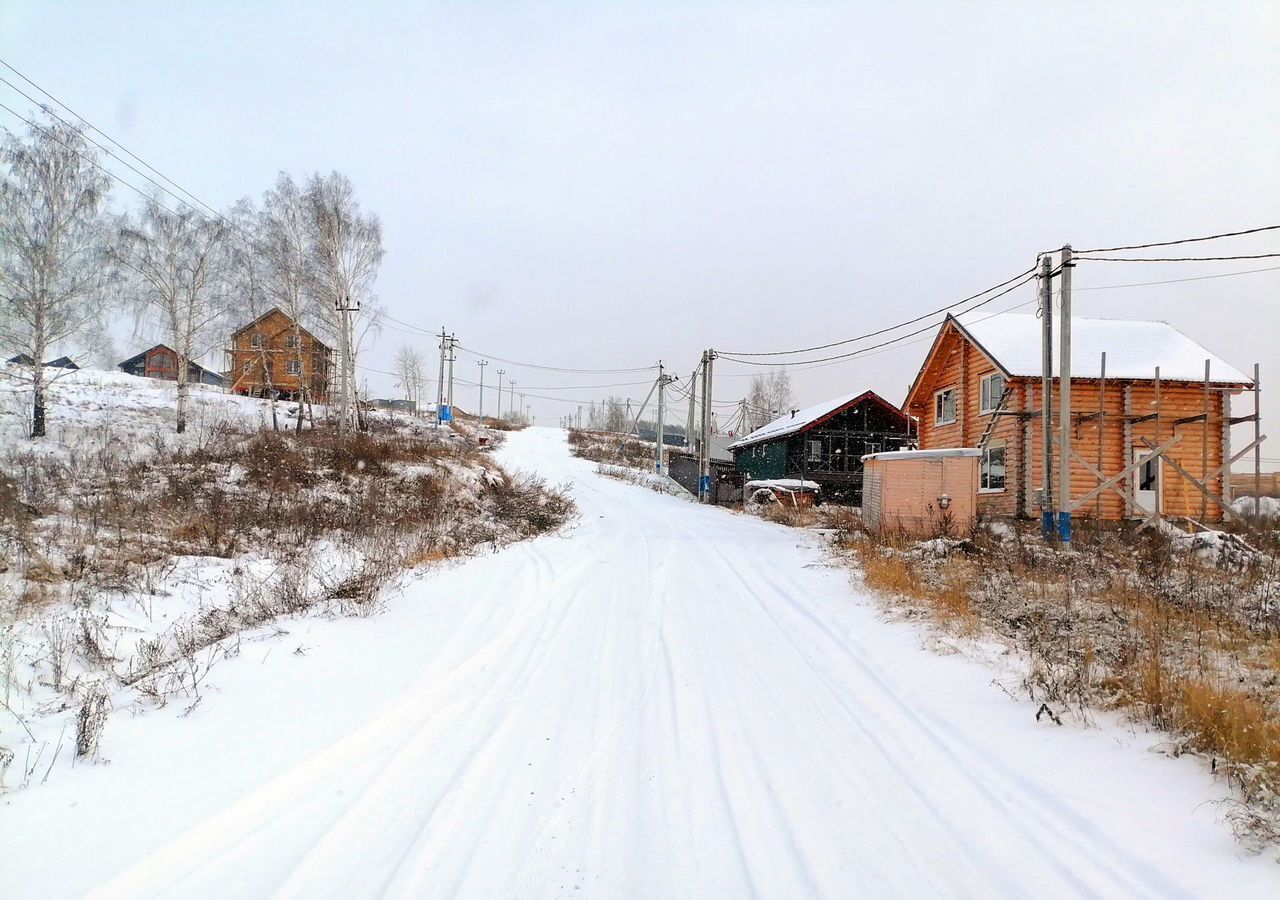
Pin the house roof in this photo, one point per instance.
(1133, 348)
(275, 309)
(139, 356)
(809, 417)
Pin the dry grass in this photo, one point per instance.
(1181, 643)
(611, 449)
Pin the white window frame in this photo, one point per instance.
(987, 403)
(984, 465)
(248, 366)
(293, 342)
(939, 404)
(257, 341)
(293, 367)
(813, 450)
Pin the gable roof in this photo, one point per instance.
(273, 310)
(141, 356)
(1134, 348)
(810, 417)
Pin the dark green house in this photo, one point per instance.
(825, 444)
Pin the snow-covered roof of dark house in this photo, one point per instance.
(62, 362)
(804, 419)
(1133, 348)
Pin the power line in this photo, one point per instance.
(863, 350)
(545, 368)
(107, 150)
(1109, 287)
(89, 159)
(1140, 259)
(871, 334)
(44, 91)
(1194, 240)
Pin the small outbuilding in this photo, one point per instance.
(921, 492)
(824, 444)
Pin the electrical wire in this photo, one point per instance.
(1139, 259)
(863, 350)
(1194, 240)
(528, 365)
(90, 125)
(1111, 287)
(881, 331)
(89, 159)
(219, 217)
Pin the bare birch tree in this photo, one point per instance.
(770, 396)
(345, 246)
(176, 261)
(411, 376)
(52, 235)
(283, 243)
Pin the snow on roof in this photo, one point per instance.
(790, 424)
(1133, 348)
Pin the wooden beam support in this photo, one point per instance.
(1124, 473)
(1106, 483)
(1208, 494)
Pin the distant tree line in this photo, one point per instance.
(69, 263)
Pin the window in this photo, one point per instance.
(992, 392)
(991, 475)
(248, 365)
(293, 367)
(292, 342)
(1148, 475)
(944, 407)
(257, 342)
(814, 450)
(870, 447)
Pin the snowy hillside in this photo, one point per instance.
(133, 561)
(84, 403)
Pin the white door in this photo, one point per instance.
(1146, 481)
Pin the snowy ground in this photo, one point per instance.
(87, 403)
(663, 701)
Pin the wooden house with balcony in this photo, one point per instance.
(275, 356)
(980, 387)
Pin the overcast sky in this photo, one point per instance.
(603, 185)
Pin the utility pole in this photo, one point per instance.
(453, 341)
(704, 457)
(1046, 396)
(345, 309)
(482, 363)
(1064, 405)
(663, 380)
(500, 374)
(440, 383)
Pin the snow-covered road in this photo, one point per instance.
(666, 700)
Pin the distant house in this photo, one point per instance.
(273, 354)
(62, 362)
(980, 387)
(395, 405)
(162, 362)
(824, 443)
